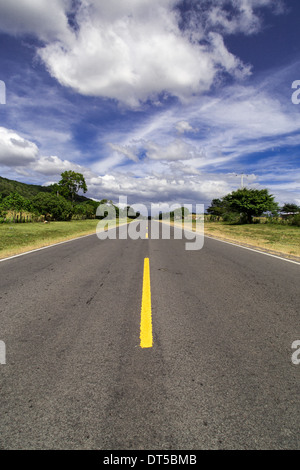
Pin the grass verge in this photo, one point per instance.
(19, 238)
(282, 240)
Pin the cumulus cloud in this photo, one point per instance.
(131, 55)
(36, 17)
(160, 188)
(24, 157)
(53, 166)
(135, 50)
(15, 150)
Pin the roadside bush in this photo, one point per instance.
(296, 220)
(17, 204)
(84, 211)
(2, 213)
(52, 206)
(231, 217)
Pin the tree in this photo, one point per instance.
(70, 183)
(50, 205)
(180, 213)
(55, 188)
(217, 208)
(290, 208)
(84, 211)
(250, 203)
(2, 208)
(16, 203)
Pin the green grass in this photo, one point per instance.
(273, 238)
(278, 238)
(18, 238)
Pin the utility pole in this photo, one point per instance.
(242, 179)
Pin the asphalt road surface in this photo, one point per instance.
(219, 374)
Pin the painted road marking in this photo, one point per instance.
(146, 316)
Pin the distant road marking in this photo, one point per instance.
(146, 316)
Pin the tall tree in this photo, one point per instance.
(70, 183)
(251, 203)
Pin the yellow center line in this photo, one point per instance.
(146, 317)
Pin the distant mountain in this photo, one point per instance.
(28, 191)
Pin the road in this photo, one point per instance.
(219, 374)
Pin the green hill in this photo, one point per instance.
(28, 191)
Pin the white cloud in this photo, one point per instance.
(228, 61)
(155, 189)
(129, 152)
(15, 150)
(36, 17)
(53, 165)
(179, 168)
(175, 150)
(178, 182)
(236, 123)
(239, 121)
(23, 156)
(133, 51)
(236, 16)
(184, 126)
(248, 120)
(245, 21)
(130, 57)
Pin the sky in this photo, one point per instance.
(159, 101)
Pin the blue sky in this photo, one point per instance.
(157, 100)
